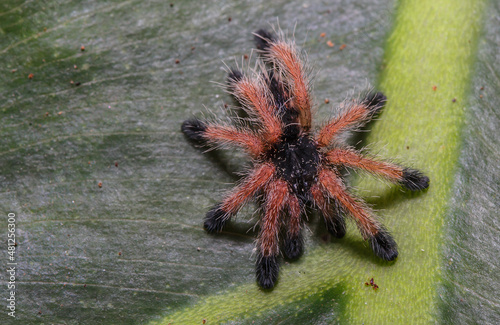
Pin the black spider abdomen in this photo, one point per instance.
(296, 162)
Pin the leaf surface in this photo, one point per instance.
(109, 196)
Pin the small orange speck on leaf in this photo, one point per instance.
(330, 43)
(372, 284)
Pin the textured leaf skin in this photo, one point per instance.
(470, 288)
(134, 251)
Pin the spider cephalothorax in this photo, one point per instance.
(293, 167)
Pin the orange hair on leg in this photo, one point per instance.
(267, 266)
(381, 241)
(284, 55)
(254, 182)
(409, 178)
(230, 135)
(335, 188)
(294, 241)
(331, 212)
(353, 115)
(276, 199)
(351, 158)
(254, 94)
(294, 223)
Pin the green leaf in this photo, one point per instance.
(109, 196)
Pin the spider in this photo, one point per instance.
(293, 167)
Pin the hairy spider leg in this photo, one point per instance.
(331, 211)
(410, 178)
(217, 217)
(381, 242)
(284, 56)
(294, 242)
(355, 115)
(254, 96)
(287, 113)
(267, 266)
(213, 134)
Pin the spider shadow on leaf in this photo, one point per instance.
(359, 248)
(238, 228)
(393, 196)
(354, 244)
(222, 160)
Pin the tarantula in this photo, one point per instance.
(294, 168)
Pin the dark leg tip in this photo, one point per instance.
(336, 227)
(384, 246)
(194, 129)
(215, 219)
(414, 180)
(294, 247)
(234, 76)
(267, 270)
(375, 101)
(262, 39)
